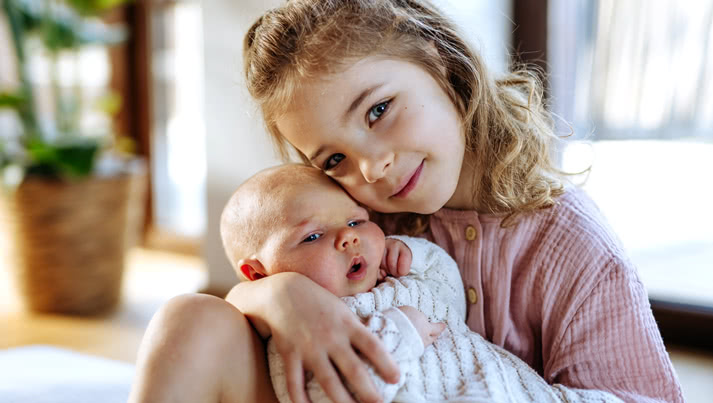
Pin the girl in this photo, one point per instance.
(388, 99)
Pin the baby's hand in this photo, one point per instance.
(396, 260)
(427, 330)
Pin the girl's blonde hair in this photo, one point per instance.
(509, 132)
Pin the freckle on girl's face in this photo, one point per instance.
(385, 130)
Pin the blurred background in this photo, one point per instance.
(632, 80)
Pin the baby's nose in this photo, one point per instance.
(347, 238)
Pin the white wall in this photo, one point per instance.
(236, 143)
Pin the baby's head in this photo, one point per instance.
(293, 218)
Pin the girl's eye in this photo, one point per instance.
(311, 238)
(333, 161)
(376, 112)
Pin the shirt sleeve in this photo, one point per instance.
(400, 339)
(612, 343)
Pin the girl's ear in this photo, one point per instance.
(251, 269)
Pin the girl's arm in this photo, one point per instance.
(312, 330)
(393, 328)
(612, 342)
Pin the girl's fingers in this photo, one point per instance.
(327, 377)
(372, 348)
(349, 363)
(295, 378)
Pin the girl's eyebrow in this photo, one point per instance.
(358, 100)
(352, 107)
(316, 154)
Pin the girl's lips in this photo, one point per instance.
(357, 269)
(407, 187)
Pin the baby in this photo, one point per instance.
(293, 218)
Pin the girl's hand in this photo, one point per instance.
(314, 331)
(428, 331)
(396, 260)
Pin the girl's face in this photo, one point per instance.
(385, 130)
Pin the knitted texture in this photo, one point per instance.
(558, 290)
(460, 366)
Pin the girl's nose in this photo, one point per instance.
(346, 238)
(375, 168)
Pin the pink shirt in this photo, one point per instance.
(559, 291)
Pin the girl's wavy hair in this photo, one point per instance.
(509, 132)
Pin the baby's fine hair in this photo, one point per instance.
(509, 132)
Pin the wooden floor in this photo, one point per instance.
(153, 277)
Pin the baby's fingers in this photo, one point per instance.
(404, 263)
(392, 258)
(437, 329)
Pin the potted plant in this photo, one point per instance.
(68, 192)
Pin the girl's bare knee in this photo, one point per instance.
(200, 321)
(220, 336)
(202, 343)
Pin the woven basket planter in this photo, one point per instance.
(67, 240)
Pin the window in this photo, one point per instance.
(178, 138)
(635, 79)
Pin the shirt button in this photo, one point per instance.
(472, 295)
(470, 233)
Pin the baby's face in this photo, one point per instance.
(324, 235)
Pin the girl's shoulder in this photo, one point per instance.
(576, 215)
(575, 231)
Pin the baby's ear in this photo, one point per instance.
(251, 269)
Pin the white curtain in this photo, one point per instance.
(633, 68)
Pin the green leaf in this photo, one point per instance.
(95, 7)
(75, 159)
(58, 36)
(10, 100)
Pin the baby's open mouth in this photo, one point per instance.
(357, 269)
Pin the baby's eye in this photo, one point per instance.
(376, 111)
(312, 238)
(333, 161)
(354, 223)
